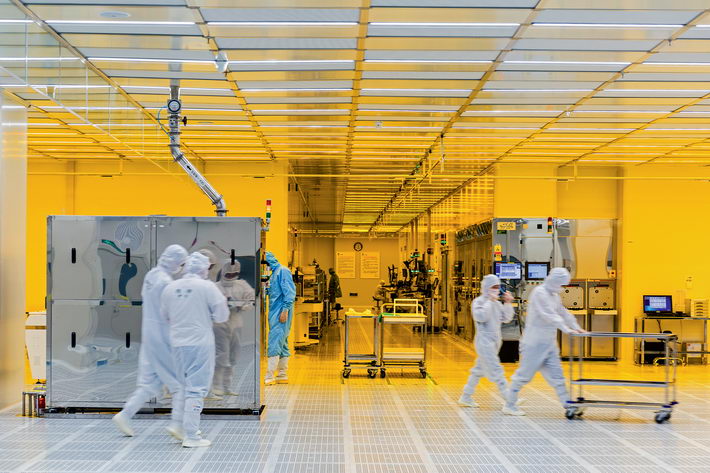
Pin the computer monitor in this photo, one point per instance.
(508, 270)
(657, 304)
(536, 271)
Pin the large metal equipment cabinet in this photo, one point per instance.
(95, 271)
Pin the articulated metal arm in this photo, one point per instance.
(179, 157)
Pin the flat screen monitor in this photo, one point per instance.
(508, 270)
(536, 271)
(655, 304)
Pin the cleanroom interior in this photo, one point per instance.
(413, 147)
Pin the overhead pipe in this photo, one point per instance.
(174, 107)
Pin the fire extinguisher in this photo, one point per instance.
(40, 402)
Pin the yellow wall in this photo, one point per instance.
(664, 238)
(145, 195)
(365, 288)
(525, 197)
(587, 198)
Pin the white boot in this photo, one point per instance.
(273, 361)
(466, 401)
(123, 424)
(282, 378)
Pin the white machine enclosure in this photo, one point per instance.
(95, 271)
(585, 246)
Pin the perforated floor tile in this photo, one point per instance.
(321, 423)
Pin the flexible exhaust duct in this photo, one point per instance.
(174, 107)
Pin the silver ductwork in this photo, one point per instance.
(174, 107)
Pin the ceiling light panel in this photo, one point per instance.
(585, 44)
(280, 14)
(439, 30)
(428, 55)
(145, 29)
(143, 53)
(286, 43)
(616, 16)
(293, 65)
(426, 16)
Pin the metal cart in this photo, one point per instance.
(663, 409)
(369, 361)
(410, 313)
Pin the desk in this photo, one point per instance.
(683, 332)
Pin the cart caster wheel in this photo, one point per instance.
(383, 373)
(423, 373)
(662, 417)
(346, 373)
(573, 412)
(371, 373)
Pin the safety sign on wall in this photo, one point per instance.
(370, 264)
(505, 226)
(345, 264)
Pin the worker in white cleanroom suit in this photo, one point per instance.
(191, 306)
(240, 296)
(538, 347)
(488, 314)
(155, 363)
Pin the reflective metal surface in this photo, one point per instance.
(96, 267)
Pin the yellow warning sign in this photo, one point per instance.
(507, 226)
(497, 253)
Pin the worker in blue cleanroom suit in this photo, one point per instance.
(538, 346)
(155, 363)
(488, 314)
(191, 306)
(282, 294)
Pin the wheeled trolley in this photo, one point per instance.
(662, 409)
(370, 360)
(405, 312)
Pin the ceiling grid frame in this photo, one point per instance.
(217, 52)
(474, 93)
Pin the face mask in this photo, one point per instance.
(493, 293)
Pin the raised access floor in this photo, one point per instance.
(321, 423)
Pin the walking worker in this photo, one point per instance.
(191, 306)
(538, 346)
(488, 314)
(156, 367)
(282, 295)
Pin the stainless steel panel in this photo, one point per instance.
(225, 237)
(93, 352)
(94, 301)
(98, 257)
